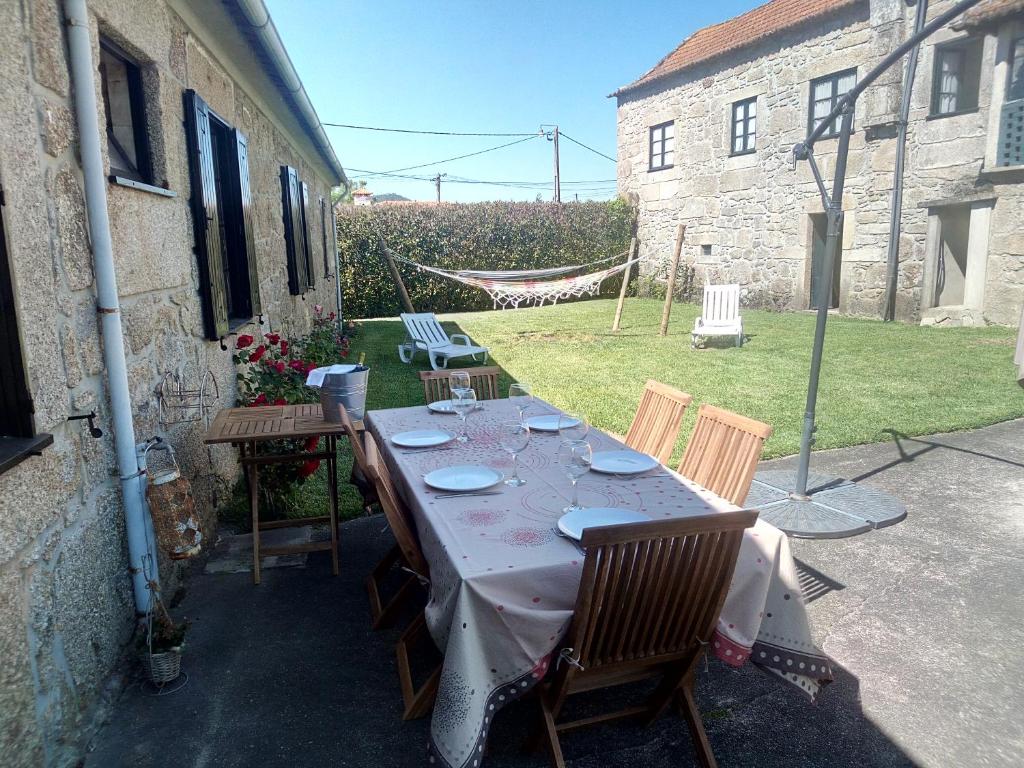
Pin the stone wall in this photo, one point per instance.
(748, 217)
(66, 608)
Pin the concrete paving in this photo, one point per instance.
(924, 620)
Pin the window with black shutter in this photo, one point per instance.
(222, 209)
(294, 231)
(18, 439)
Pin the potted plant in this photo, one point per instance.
(161, 646)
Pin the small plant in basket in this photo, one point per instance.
(161, 644)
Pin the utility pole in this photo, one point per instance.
(552, 136)
(437, 183)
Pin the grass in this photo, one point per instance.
(877, 378)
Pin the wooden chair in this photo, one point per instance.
(484, 381)
(359, 477)
(648, 603)
(656, 424)
(720, 315)
(407, 555)
(424, 332)
(723, 452)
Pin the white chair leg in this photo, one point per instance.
(406, 352)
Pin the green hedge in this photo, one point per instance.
(482, 236)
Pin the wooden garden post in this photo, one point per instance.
(680, 232)
(397, 277)
(625, 283)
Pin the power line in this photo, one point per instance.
(597, 185)
(461, 157)
(602, 154)
(427, 133)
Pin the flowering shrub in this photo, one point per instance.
(272, 371)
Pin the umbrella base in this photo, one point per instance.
(833, 508)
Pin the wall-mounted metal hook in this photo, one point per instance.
(261, 320)
(223, 346)
(90, 417)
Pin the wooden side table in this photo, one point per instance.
(246, 428)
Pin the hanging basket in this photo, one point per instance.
(169, 496)
(162, 668)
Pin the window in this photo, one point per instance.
(294, 201)
(661, 146)
(18, 439)
(744, 126)
(955, 77)
(222, 211)
(124, 109)
(825, 94)
(1015, 86)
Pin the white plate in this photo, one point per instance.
(445, 406)
(464, 478)
(572, 524)
(422, 438)
(549, 422)
(622, 462)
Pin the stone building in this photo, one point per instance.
(202, 112)
(705, 139)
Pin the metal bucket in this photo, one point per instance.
(344, 390)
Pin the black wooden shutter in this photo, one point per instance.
(15, 400)
(323, 231)
(295, 248)
(307, 237)
(212, 287)
(248, 234)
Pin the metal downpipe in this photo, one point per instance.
(141, 547)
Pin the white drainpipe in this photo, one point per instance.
(141, 547)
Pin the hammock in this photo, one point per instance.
(514, 287)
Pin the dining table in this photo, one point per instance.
(503, 581)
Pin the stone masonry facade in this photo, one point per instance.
(749, 216)
(66, 608)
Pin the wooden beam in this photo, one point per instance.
(396, 276)
(633, 245)
(680, 232)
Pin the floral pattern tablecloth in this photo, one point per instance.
(503, 583)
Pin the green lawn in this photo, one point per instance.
(876, 377)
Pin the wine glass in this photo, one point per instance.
(463, 403)
(572, 427)
(522, 396)
(459, 380)
(575, 456)
(514, 437)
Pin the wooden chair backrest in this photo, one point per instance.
(425, 327)
(483, 380)
(721, 303)
(355, 439)
(652, 592)
(397, 513)
(723, 452)
(656, 424)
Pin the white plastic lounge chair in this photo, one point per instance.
(424, 332)
(720, 316)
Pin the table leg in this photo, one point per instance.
(254, 506)
(332, 486)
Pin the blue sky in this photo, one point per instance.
(485, 66)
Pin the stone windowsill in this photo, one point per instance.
(121, 181)
(998, 172)
(14, 450)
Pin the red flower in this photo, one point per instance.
(309, 367)
(296, 365)
(284, 347)
(257, 353)
(273, 338)
(308, 468)
(261, 399)
(243, 341)
(318, 309)
(331, 316)
(344, 352)
(280, 401)
(279, 366)
(312, 443)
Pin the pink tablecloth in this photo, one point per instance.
(503, 584)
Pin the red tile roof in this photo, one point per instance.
(988, 11)
(755, 25)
